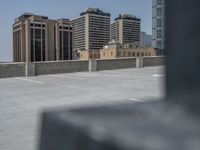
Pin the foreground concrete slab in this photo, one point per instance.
(127, 126)
(22, 99)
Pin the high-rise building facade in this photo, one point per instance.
(37, 38)
(145, 39)
(126, 29)
(158, 24)
(91, 30)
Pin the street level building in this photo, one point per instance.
(91, 30)
(116, 50)
(37, 38)
(126, 29)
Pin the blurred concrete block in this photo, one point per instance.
(130, 126)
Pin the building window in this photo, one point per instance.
(142, 54)
(158, 2)
(111, 53)
(159, 34)
(159, 23)
(124, 54)
(37, 25)
(158, 44)
(138, 54)
(133, 53)
(145, 54)
(118, 54)
(66, 28)
(149, 54)
(129, 54)
(158, 12)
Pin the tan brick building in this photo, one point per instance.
(113, 50)
(126, 52)
(92, 54)
(37, 38)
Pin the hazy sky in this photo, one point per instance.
(54, 9)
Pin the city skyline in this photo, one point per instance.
(63, 9)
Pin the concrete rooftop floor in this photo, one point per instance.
(22, 99)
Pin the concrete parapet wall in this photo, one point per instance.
(153, 61)
(12, 70)
(54, 67)
(109, 64)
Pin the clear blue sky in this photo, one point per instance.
(10, 9)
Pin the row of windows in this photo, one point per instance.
(92, 56)
(120, 54)
(158, 44)
(37, 45)
(159, 12)
(17, 46)
(159, 2)
(65, 45)
(159, 33)
(130, 54)
(159, 23)
(65, 28)
(133, 54)
(16, 27)
(99, 21)
(37, 25)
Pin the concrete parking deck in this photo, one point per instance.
(22, 99)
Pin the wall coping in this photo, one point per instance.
(121, 58)
(132, 57)
(60, 61)
(10, 63)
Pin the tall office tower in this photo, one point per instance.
(126, 29)
(145, 39)
(37, 38)
(158, 24)
(91, 30)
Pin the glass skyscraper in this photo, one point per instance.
(158, 24)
